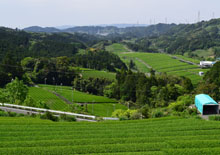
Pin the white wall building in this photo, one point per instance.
(204, 64)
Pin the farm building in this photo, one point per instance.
(206, 105)
(204, 64)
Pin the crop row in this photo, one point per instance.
(173, 142)
(110, 129)
(85, 149)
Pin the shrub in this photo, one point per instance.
(68, 118)
(157, 114)
(126, 114)
(3, 114)
(214, 118)
(145, 111)
(136, 115)
(49, 116)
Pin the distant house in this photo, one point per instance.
(201, 73)
(206, 64)
(206, 105)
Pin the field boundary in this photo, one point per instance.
(48, 110)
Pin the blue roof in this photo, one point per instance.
(205, 99)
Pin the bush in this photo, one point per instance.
(214, 118)
(157, 114)
(145, 111)
(192, 111)
(68, 118)
(178, 106)
(3, 114)
(49, 116)
(126, 114)
(12, 114)
(136, 115)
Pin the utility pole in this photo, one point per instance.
(213, 15)
(61, 86)
(199, 16)
(45, 81)
(72, 94)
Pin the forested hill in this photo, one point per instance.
(22, 44)
(184, 38)
(109, 30)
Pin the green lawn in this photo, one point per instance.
(169, 136)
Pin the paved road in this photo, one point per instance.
(29, 112)
(19, 111)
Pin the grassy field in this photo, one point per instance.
(169, 136)
(87, 73)
(159, 62)
(103, 106)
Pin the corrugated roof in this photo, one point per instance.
(205, 99)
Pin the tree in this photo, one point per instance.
(9, 69)
(17, 91)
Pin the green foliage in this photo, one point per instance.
(127, 114)
(68, 118)
(49, 70)
(214, 118)
(211, 82)
(154, 91)
(99, 60)
(4, 96)
(145, 111)
(157, 113)
(9, 69)
(17, 91)
(49, 116)
(91, 85)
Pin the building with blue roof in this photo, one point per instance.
(206, 105)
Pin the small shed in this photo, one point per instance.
(206, 105)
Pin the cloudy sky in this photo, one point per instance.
(24, 13)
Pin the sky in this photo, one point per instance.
(51, 13)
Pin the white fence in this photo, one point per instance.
(45, 110)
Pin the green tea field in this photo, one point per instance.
(169, 136)
(87, 73)
(159, 62)
(103, 106)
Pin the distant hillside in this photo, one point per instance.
(41, 29)
(112, 31)
(22, 44)
(193, 39)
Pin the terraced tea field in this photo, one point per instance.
(103, 106)
(159, 62)
(87, 73)
(169, 136)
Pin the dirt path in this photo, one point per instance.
(182, 60)
(148, 66)
(58, 95)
